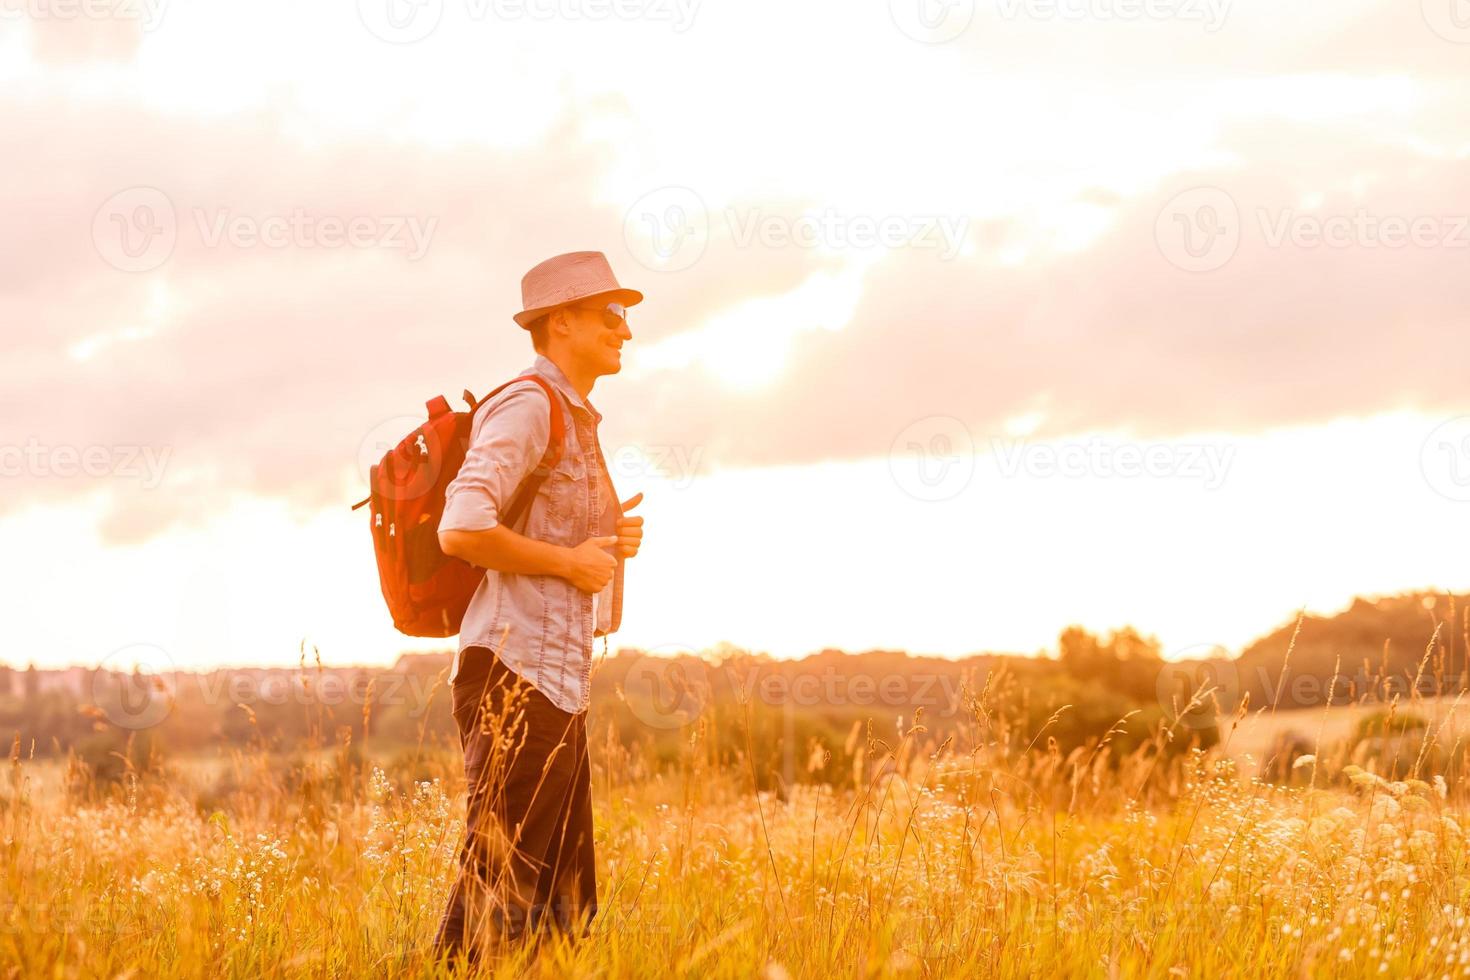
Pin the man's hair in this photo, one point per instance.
(538, 328)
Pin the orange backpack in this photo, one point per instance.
(428, 591)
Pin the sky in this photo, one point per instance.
(965, 320)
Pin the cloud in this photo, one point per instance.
(260, 364)
(1115, 336)
(1201, 39)
(178, 281)
(70, 34)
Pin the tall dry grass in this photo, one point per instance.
(988, 855)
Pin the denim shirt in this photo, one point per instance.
(540, 626)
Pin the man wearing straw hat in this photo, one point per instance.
(521, 680)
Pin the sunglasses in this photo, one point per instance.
(614, 315)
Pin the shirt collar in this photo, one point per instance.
(547, 368)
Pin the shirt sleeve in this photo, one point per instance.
(507, 441)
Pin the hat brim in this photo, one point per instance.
(625, 297)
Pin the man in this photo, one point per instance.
(521, 680)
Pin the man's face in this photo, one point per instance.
(596, 338)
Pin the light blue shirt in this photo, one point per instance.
(541, 626)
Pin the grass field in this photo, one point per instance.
(1005, 860)
(1259, 733)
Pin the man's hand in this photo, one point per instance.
(589, 566)
(630, 529)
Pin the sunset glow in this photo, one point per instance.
(948, 342)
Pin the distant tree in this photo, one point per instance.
(1139, 659)
(1125, 661)
(1128, 644)
(1080, 653)
(1377, 648)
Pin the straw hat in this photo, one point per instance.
(568, 279)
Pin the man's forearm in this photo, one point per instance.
(502, 550)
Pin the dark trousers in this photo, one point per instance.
(527, 862)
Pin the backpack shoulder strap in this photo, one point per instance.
(555, 447)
